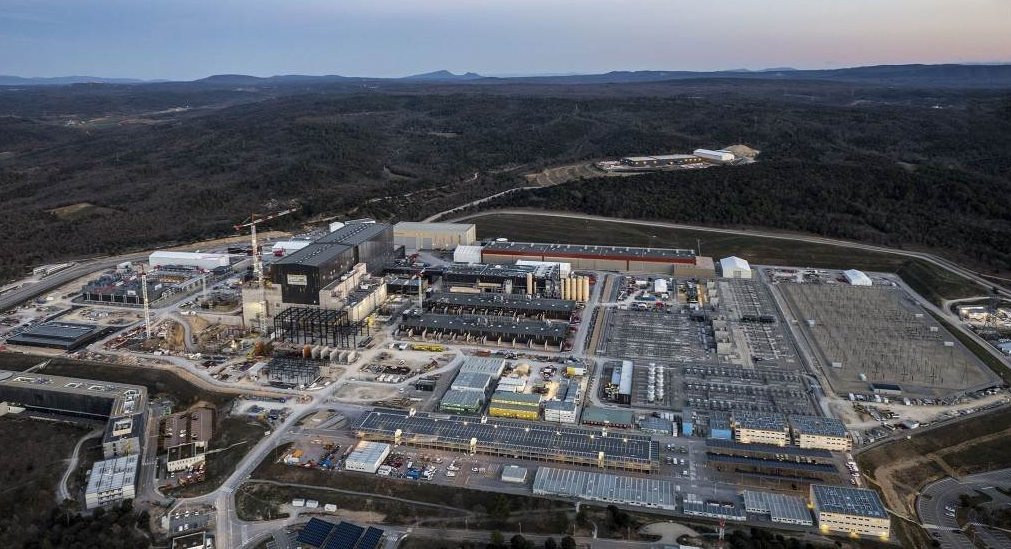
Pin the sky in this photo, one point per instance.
(189, 39)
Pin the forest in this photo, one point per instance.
(93, 170)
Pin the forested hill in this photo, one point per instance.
(932, 208)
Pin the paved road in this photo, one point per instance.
(62, 492)
(83, 268)
(946, 492)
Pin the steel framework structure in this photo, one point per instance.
(319, 327)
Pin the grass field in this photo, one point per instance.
(928, 280)
(263, 501)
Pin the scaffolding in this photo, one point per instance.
(315, 326)
(293, 371)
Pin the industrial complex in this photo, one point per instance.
(641, 377)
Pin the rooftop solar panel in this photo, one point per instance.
(345, 536)
(371, 538)
(315, 532)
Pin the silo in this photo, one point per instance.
(586, 288)
(567, 288)
(530, 283)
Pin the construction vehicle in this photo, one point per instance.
(431, 347)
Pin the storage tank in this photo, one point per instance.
(586, 287)
(530, 283)
(567, 288)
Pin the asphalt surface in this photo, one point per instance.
(930, 508)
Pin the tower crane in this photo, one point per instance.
(147, 309)
(251, 223)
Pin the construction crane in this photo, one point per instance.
(251, 223)
(147, 309)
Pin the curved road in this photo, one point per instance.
(62, 492)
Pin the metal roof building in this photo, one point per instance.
(575, 445)
(849, 501)
(857, 278)
(698, 507)
(433, 236)
(514, 474)
(778, 507)
(593, 415)
(462, 401)
(111, 480)
(492, 330)
(471, 381)
(367, 456)
(735, 267)
(68, 336)
(623, 490)
(499, 304)
(483, 365)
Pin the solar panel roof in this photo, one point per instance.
(315, 532)
(848, 501)
(345, 536)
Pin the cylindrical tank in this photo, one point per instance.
(530, 283)
(307, 351)
(566, 288)
(586, 288)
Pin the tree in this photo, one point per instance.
(497, 540)
(550, 543)
(568, 543)
(519, 542)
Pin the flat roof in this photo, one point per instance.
(793, 451)
(65, 334)
(604, 487)
(462, 398)
(368, 452)
(815, 425)
(588, 251)
(779, 507)
(490, 365)
(113, 474)
(509, 271)
(509, 396)
(314, 254)
(756, 462)
(354, 234)
(485, 325)
(594, 414)
(847, 501)
(433, 227)
(127, 399)
(520, 302)
(503, 435)
(763, 421)
(475, 381)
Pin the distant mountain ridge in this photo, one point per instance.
(969, 75)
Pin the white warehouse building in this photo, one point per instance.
(564, 269)
(857, 278)
(735, 267)
(207, 262)
(433, 236)
(714, 156)
(367, 457)
(467, 254)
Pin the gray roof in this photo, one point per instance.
(502, 301)
(779, 507)
(474, 381)
(112, 474)
(847, 501)
(586, 250)
(354, 234)
(766, 421)
(476, 324)
(314, 254)
(462, 399)
(593, 414)
(484, 365)
(604, 487)
(814, 425)
(452, 228)
(720, 444)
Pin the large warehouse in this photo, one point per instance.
(208, 262)
(607, 258)
(498, 304)
(483, 330)
(433, 236)
(67, 336)
(735, 267)
(521, 440)
(543, 279)
(617, 489)
(367, 456)
(305, 272)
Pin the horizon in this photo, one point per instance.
(183, 40)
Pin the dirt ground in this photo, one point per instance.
(669, 532)
(366, 393)
(843, 409)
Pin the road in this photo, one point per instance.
(83, 268)
(933, 500)
(62, 492)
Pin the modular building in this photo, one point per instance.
(761, 427)
(514, 474)
(515, 405)
(778, 507)
(857, 278)
(433, 236)
(112, 481)
(820, 432)
(499, 304)
(483, 365)
(719, 156)
(458, 401)
(607, 417)
(608, 258)
(207, 262)
(851, 511)
(483, 330)
(471, 381)
(518, 440)
(603, 487)
(367, 456)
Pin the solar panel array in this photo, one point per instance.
(371, 538)
(345, 536)
(605, 487)
(500, 435)
(315, 532)
(847, 501)
(785, 465)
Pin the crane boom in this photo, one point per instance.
(251, 223)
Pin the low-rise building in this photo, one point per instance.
(185, 456)
(112, 481)
(123, 436)
(458, 401)
(514, 474)
(820, 432)
(367, 456)
(761, 427)
(852, 511)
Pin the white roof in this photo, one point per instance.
(857, 277)
(290, 245)
(433, 227)
(734, 262)
(186, 255)
(369, 452)
(113, 474)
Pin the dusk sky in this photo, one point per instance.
(187, 39)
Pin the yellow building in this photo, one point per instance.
(851, 511)
(820, 432)
(761, 428)
(515, 405)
